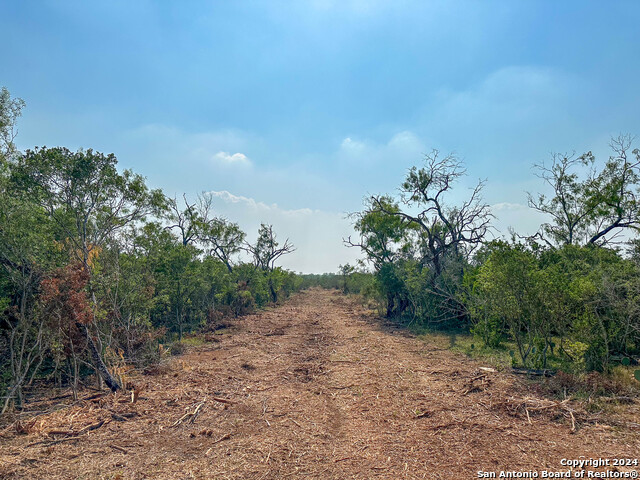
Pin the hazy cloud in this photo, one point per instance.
(522, 218)
(404, 145)
(316, 234)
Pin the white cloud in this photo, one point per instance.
(226, 158)
(229, 197)
(405, 140)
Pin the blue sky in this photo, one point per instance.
(293, 111)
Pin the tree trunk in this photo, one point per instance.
(97, 359)
(390, 305)
(229, 267)
(274, 295)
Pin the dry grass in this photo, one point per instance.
(317, 388)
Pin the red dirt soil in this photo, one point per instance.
(316, 388)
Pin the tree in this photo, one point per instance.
(445, 229)
(188, 221)
(507, 295)
(26, 253)
(383, 233)
(267, 250)
(221, 238)
(85, 195)
(445, 235)
(90, 202)
(345, 272)
(67, 307)
(10, 110)
(594, 207)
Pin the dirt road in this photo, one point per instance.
(312, 389)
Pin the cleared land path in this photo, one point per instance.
(319, 389)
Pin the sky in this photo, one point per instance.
(291, 112)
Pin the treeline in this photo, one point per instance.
(567, 297)
(347, 280)
(96, 268)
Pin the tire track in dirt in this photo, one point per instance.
(320, 389)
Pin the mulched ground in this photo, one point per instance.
(317, 388)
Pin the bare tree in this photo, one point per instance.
(267, 250)
(440, 236)
(187, 221)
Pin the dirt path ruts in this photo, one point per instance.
(319, 390)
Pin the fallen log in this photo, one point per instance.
(533, 372)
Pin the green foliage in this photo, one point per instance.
(575, 356)
(561, 298)
(420, 258)
(580, 298)
(10, 110)
(593, 207)
(489, 330)
(357, 282)
(87, 251)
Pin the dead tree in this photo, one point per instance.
(267, 250)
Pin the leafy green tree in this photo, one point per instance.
(219, 237)
(86, 196)
(587, 205)
(90, 203)
(223, 240)
(175, 269)
(383, 232)
(27, 253)
(433, 244)
(346, 271)
(508, 293)
(126, 287)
